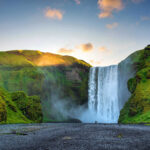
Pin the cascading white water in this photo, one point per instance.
(103, 94)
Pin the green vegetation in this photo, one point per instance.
(28, 79)
(18, 108)
(137, 109)
(44, 75)
(3, 112)
(30, 106)
(22, 58)
(132, 84)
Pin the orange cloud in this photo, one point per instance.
(112, 26)
(103, 49)
(53, 14)
(95, 63)
(65, 51)
(86, 47)
(77, 2)
(108, 6)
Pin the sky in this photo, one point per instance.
(101, 32)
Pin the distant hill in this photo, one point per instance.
(37, 58)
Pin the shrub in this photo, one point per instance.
(20, 98)
(132, 84)
(29, 105)
(34, 109)
(3, 112)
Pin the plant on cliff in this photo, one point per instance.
(30, 106)
(3, 112)
(132, 84)
(137, 109)
(17, 107)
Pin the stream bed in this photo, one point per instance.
(74, 136)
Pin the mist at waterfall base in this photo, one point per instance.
(63, 109)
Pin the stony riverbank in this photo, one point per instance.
(63, 136)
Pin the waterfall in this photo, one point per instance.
(103, 100)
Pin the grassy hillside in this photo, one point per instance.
(137, 109)
(17, 107)
(37, 58)
(27, 70)
(45, 75)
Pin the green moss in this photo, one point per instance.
(12, 113)
(28, 79)
(30, 106)
(3, 112)
(72, 60)
(84, 87)
(34, 109)
(8, 58)
(132, 85)
(16, 117)
(17, 107)
(137, 109)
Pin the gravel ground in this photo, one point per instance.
(69, 136)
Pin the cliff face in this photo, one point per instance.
(137, 108)
(125, 72)
(54, 78)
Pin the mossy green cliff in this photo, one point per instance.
(137, 108)
(44, 75)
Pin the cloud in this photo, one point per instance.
(112, 26)
(107, 7)
(137, 1)
(77, 2)
(53, 14)
(145, 18)
(85, 47)
(104, 49)
(65, 51)
(94, 62)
